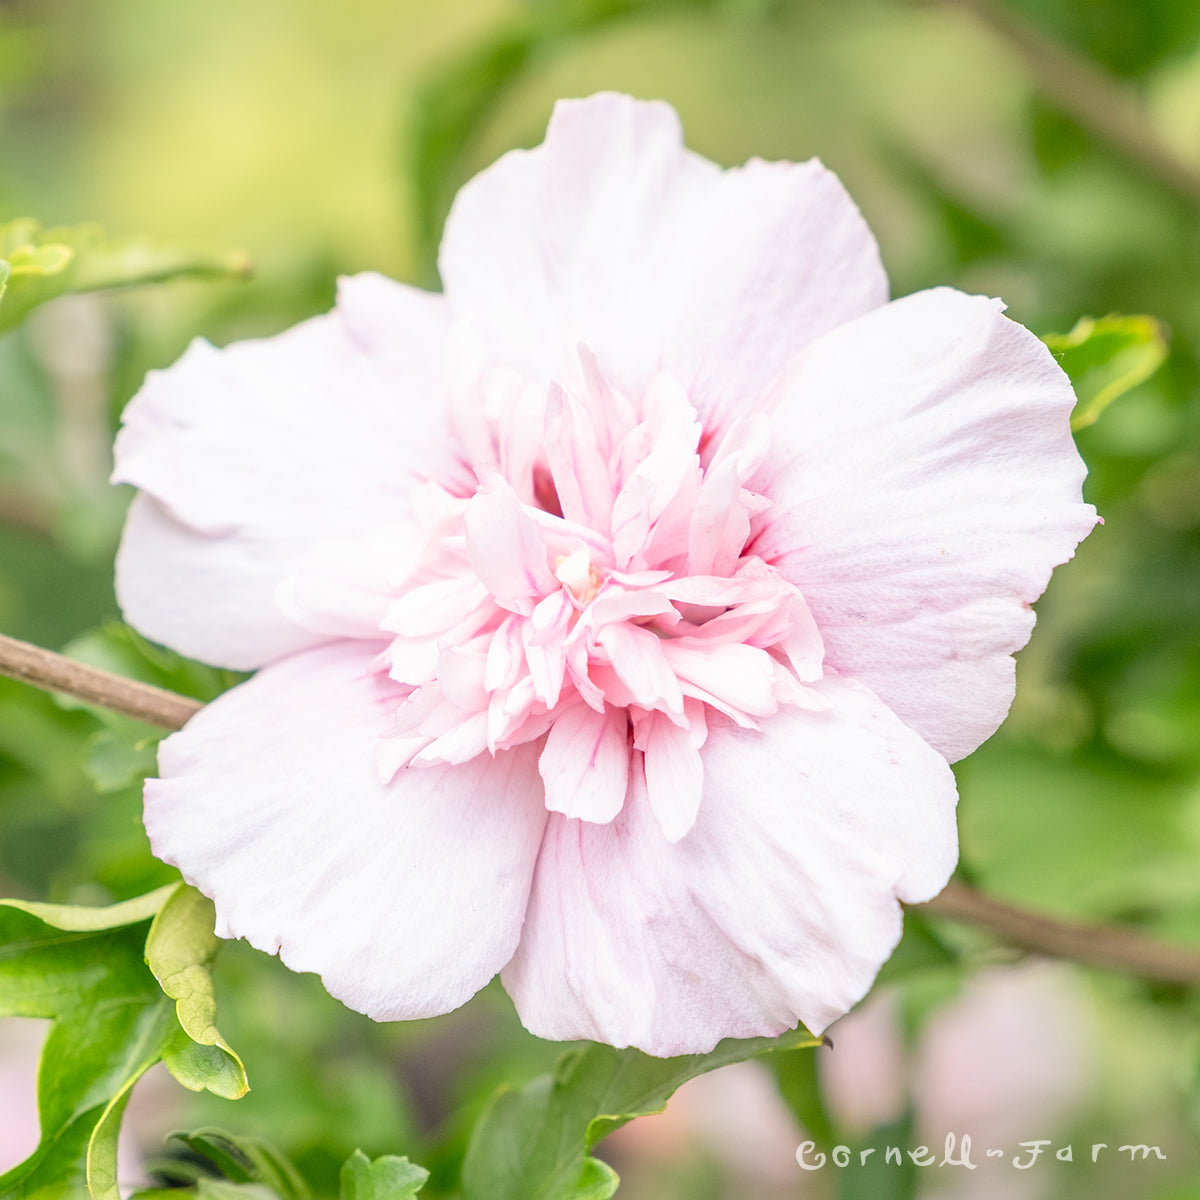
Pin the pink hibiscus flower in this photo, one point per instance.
(617, 611)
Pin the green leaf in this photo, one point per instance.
(37, 265)
(533, 1144)
(878, 1179)
(85, 972)
(86, 969)
(113, 761)
(386, 1178)
(243, 1161)
(180, 950)
(1106, 357)
(799, 1084)
(102, 1148)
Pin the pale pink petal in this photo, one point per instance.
(616, 604)
(558, 245)
(925, 484)
(433, 608)
(226, 611)
(406, 898)
(719, 525)
(544, 640)
(585, 764)
(656, 461)
(580, 472)
(779, 906)
(717, 591)
(781, 257)
(611, 233)
(412, 660)
(803, 646)
(745, 445)
(506, 549)
(578, 669)
(505, 655)
(460, 675)
(345, 588)
(252, 453)
(460, 744)
(509, 709)
(674, 770)
(638, 658)
(741, 676)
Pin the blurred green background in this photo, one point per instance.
(1047, 151)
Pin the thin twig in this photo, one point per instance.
(1087, 93)
(1097, 945)
(53, 673)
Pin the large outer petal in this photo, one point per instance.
(778, 906)
(405, 897)
(925, 484)
(247, 456)
(612, 234)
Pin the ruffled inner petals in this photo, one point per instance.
(585, 765)
(600, 592)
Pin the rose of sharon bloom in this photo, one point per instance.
(617, 611)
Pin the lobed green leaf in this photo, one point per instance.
(86, 969)
(101, 1160)
(1106, 357)
(86, 973)
(180, 951)
(533, 1144)
(384, 1178)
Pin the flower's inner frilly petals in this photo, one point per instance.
(596, 589)
(585, 765)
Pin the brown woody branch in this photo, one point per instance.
(54, 673)
(1111, 946)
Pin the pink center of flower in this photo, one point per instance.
(591, 578)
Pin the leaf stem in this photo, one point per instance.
(1097, 945)
(1110, 946)
(53, 673)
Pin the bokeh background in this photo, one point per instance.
(1047, 151)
